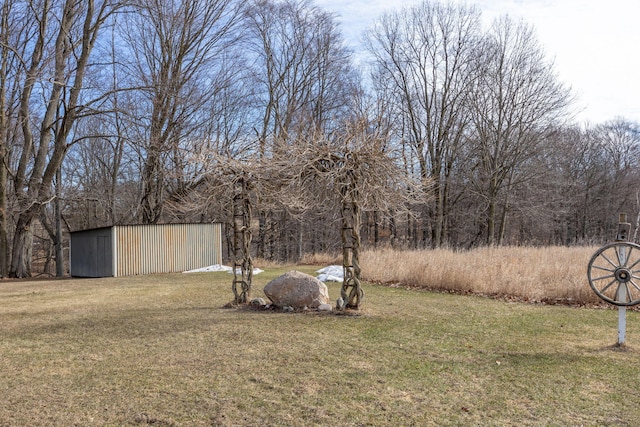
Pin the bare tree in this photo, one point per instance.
(13, 42)
(518, 102)
(56, 62)
(620, 142)
(424, 61)
(178, 49)
(301, 68)
(303, 83)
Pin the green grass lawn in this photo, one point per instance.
(161, 350)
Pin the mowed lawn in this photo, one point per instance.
(161, 350)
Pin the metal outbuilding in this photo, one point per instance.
(127, 250)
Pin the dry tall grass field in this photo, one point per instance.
(550, 274)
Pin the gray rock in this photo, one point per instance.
(325, 307)
(297, 290)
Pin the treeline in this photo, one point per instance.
(147, 111)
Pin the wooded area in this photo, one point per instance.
(151, 111)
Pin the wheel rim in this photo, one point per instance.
(614, 273)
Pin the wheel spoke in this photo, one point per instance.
(603, 268)
(634, 284)
(608, 260)
(634, 264)
(608, 286)
(608, 276)
(626, 260)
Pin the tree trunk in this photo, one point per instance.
(242, 263)
(503, 224)
(392, 231)
(262, 231)
(376, 230)
(58, 226)
(152, 188)
(23, 245)
(491, 222)
(4, 219)
(4, 142)
(351, 293)
(438, 215)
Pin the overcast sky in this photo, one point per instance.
(595, 44)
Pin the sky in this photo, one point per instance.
(594, 45)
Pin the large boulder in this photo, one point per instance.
(297, 290)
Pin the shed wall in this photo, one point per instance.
(145, 249)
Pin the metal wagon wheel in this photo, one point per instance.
(614, 273)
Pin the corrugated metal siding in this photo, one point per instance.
(145, 249)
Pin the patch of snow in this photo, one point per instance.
(211, 268)
(218, 267)
(239, 271)
(332, 273)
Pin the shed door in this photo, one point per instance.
(104, 261)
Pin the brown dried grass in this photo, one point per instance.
(313, 259)
(321, 259)
(534, 274)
